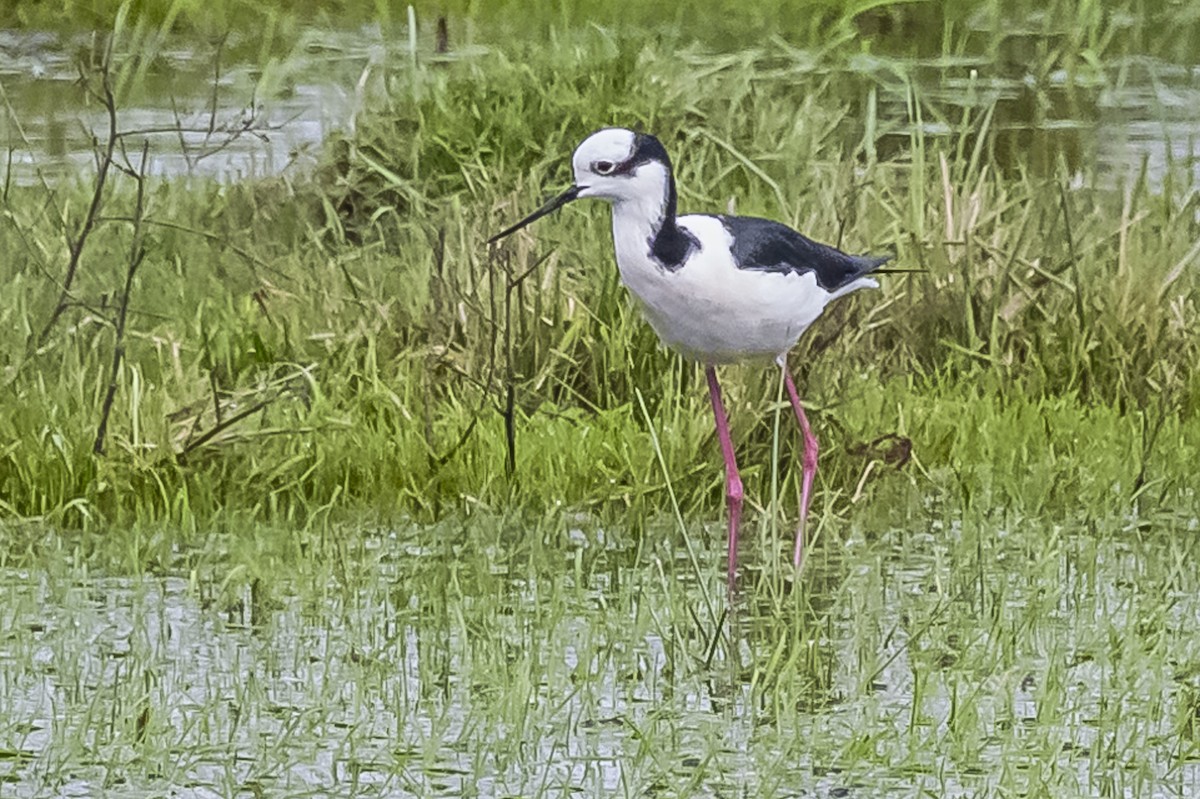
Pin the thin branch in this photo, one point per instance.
(1074, 260)
(89, 221)
(137, 252)
(216, 84)
(217, 429)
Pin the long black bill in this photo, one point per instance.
(550, 207)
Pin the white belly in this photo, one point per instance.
(712, 311)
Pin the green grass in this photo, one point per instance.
(382, 340)
(988, 655)
(1002, 29)
(301, 563)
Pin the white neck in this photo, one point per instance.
(638, 218)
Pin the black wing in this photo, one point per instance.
(774, 247)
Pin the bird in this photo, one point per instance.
(716, 288)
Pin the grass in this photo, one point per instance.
(1060, 27)
(385, 355)
(979, 657)
(303, 563)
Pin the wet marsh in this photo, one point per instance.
(380, 512)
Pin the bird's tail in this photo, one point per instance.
(854, 285)
(871, 264)
(865, 267)
(868, 264)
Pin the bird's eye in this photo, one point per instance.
(603, 167)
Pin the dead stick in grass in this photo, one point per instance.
(137, 253)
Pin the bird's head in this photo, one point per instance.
(616, 165)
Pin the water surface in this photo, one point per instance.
(1061, 661)
(220, 117)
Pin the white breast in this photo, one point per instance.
(708, 309)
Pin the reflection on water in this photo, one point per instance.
(1139, 111)
(948, 676)
(207, 115)
(1096, 119)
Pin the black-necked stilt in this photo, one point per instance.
(718, 289)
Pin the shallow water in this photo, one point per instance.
(1058, 662)
(948, 658)
(219, 117)
(209, 114)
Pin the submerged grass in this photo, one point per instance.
(985, 656)
(395, 514)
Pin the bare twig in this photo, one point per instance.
(89, 221)
(216, 395)
(217, 429)
(292, 385)
(137, 252)
(1150, 430)
(212, 111)
(1073, 262)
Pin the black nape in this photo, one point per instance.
(670, 245)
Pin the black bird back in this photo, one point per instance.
(774, 247)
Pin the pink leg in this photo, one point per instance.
(733, 481)
(810, 463)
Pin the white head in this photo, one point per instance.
(616, 164)
(619, 166)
